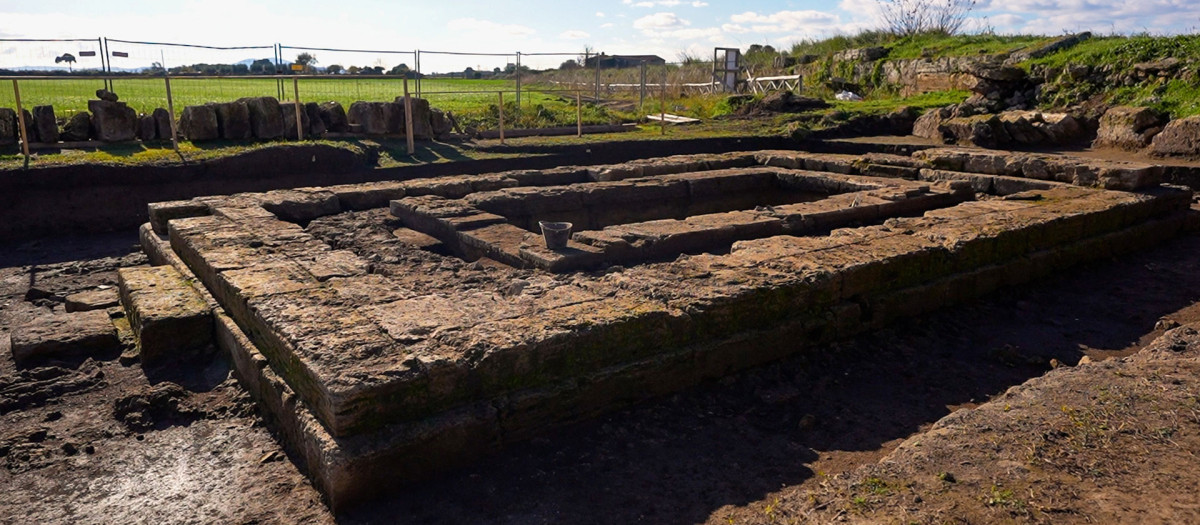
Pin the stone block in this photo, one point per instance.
(60, 335)
(170, 318)
(112, 121)
(287, 111)
(162, 123)
(8, 126)
(233, 120)
(98, 299)
(334, 117)
(47, 126)
(147, 128)
(266, 121)
(316, 126)
(199, 123)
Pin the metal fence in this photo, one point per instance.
(487, 91)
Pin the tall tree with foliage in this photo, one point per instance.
(307, 60)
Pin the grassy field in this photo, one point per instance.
(68, 95)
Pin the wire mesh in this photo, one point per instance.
(51, 56)
(539, 89)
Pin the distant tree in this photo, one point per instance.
(370, 70)
(262, 65)
(568, 65)
(496, 71)
(68, 58)
(155, 68)
(912, 17)
(306, 60)
(333, 69)
(399, 70)
(353, 70)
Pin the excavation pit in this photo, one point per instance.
(383, 361)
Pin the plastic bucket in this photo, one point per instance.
(556, 233)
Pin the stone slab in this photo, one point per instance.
(61, 335)
(98, 299)
(170, 318)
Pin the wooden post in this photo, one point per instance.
(597, 85)
(578, 116)
(171, 111)
(299, 116)
(408, 119)
(642, 89)
(501, 93)
(662, 107)
(21, 122)
(518, 81)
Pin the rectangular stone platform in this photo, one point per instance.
(697, 266)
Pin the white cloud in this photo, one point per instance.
(699, 4)
(652, 3)
(599, 14)
(786, 21)
(573, 34)
(476, 25)
(659, 22)
(606, 25)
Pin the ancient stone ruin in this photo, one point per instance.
(265, 118)
(394, 329)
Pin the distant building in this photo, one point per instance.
(621, 61)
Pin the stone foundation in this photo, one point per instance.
(382, 361)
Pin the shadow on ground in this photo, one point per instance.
(683, 458)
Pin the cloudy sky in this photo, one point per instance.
(662, 27)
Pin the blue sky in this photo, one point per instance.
(662, 27)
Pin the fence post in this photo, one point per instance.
(21, 122)
(299, 117)
(662, 106)
(104, 63)
(578, 116)
(518, 80)
(642, 89)
(171, 111)
(597, 84)
(417, 60)
(501, 94)
(408, 119)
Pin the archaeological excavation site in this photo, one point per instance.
(390, 332)
(867, 285)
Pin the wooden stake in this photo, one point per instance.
(662, 108)
(408, 121)
(578, 116)
(171, 117)
(501, 93)
(21, 122)
(299, 117)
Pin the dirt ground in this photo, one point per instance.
(99, 440)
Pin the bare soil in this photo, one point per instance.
(95, 440)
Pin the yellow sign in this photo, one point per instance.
(297, 67)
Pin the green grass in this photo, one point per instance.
(1177, 97)
(886, 104)
(69, 95)
(961, 45)
(925, 44)
(1123, 52)
(474, 102)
